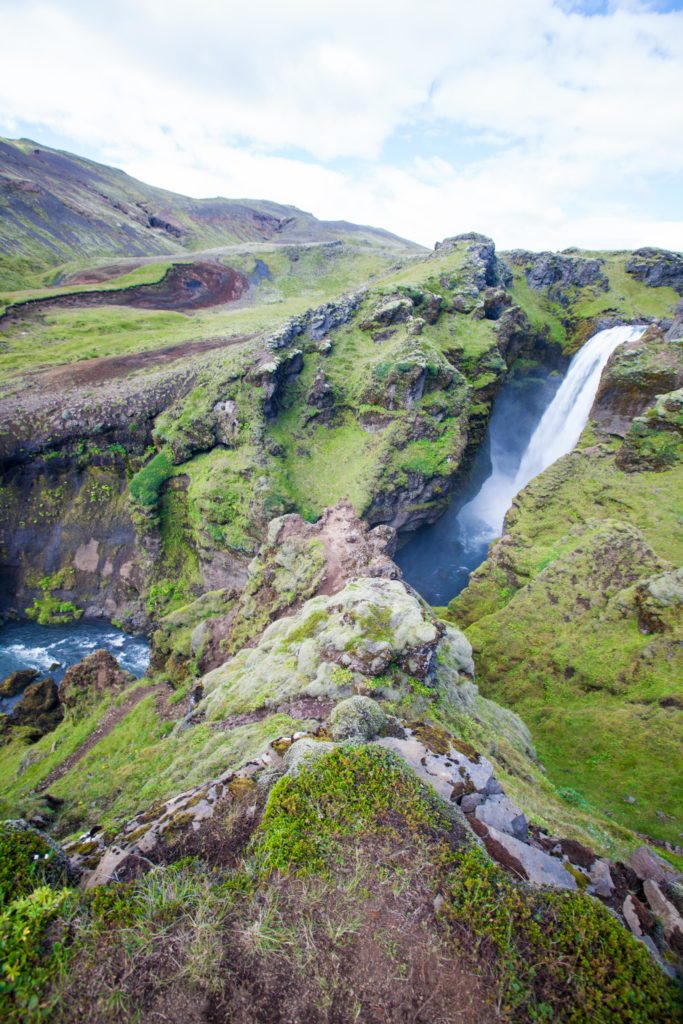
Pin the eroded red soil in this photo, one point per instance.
(184, 287)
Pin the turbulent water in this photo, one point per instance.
(532, 424)
(27, 645)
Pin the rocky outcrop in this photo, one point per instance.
(316, 323)
(38, 711)
(85, 683)
(560, 273)
(655, 441)
(15, 682)
(636, 373)
(296, 561)
(657, 268)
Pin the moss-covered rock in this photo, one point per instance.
(15, 682)
(38, 710)
(85, 683)
(655, 441)
(357, 718)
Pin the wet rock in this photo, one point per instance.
(525, 861)
(357, 718)
(97, 674)
(17, 681)
(39, 708)
(502, 814)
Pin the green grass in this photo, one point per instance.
(564, 647)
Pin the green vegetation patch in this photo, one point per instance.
(554, 955)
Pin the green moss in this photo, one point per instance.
(146, 485)
(49, 609)
(27, 862)
(353, 791)
(27, 962)
(556, 955)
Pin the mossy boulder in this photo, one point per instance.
(15, 682)
(636, 373)
(39, 709)
(357, 718)
(96, 676)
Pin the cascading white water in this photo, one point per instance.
(558, 431)
(567, 415)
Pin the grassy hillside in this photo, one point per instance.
(56, 207)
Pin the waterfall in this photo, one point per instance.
(567, 415)
(481, 519)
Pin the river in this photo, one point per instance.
(52, 649)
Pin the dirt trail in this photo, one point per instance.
(112, 718)
(96, 371)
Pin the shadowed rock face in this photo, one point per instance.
(657, 268)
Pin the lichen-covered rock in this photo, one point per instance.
(560, 273)
(303, 753)
(502, 814)
(357, 718)
(92, 678)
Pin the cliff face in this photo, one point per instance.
(252, 819)
(575, 618)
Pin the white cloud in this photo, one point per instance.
(529, 121)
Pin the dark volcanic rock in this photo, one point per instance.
(39, 708)
(15, 682)
(556, 273)
(657, 268)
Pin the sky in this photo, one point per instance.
(542, 123)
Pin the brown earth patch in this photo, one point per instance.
(96, 275)
(183, 288)
(98, 371)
